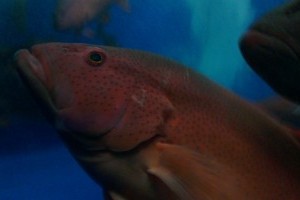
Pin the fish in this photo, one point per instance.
(74, 14)
(271, 47)
(146, 127)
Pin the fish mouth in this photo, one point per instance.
(32, 72)
(255, 42)
(270, 56)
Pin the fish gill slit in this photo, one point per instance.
(167, 116)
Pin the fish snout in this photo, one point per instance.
(29, 64)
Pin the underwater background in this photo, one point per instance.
(203, 34)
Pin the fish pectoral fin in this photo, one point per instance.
(191, 176)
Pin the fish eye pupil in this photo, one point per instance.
(95, 58)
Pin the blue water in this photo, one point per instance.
(200, 33)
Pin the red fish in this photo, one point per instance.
(75, 13)
(145, 127)
(272, 49)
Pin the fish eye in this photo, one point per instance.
(95, 58)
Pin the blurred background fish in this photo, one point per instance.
(75, 14)
(271, 46)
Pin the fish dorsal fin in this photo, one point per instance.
(191, 176)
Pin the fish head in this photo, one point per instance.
(95, 95)
(271, 47)
(275, 31)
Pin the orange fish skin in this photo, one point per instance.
(145, 127)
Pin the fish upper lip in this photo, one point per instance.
(31, 71)
(272, 41)
(32, 62)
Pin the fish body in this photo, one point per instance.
(73, 14)
(271, 47)
(145, 127)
